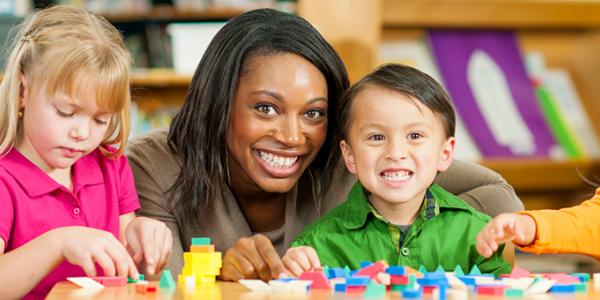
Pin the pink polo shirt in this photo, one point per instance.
(32, 203)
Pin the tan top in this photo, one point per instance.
(155, 168)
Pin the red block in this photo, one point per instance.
(151, 288)
(491, 290)
(319, 281)
(399, 279)
(356, 289)
(111, 281)
(428, 289)
(371, 270)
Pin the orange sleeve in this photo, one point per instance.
(569, 230)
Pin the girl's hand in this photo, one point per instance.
(84, 246)
(297, 260)
(150, 240)
(520, 229)
(251, 258)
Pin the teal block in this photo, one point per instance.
(200, 241)
(475, 271)
(458, 271)
(440, 269)
(514, 293)
(374, 290)
(166, 280)
(581, 287)
(422, 269)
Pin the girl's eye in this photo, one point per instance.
(377, 137)
(315, 114)
(266, 109)
(101, 122)
(64, 114)
(414, 136)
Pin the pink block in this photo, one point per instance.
(111, 281)
(356, 289)
(519, 273)
(399, 279)
(371, 270)
(562, 278)
(491, 290)
(319, 281)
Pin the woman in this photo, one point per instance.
(248, 161)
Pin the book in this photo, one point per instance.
(484, 73)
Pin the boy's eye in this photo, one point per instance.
(64, 114)
(376, 137)
(414, 136)
(266, 109)
(315, 114)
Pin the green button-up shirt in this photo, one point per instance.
(443, 234)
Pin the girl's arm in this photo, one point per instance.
(482, 188)
(23, 268)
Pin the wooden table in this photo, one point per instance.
(233, 290)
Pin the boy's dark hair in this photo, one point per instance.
(409, 81)
(198, 131)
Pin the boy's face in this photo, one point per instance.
(395, 147)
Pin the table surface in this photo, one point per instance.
(234, 290)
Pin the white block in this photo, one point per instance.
(85, 282)
(255, 285)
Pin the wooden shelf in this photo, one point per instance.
(514, 14)
(160, 78)
(168, 13)
(543, 175)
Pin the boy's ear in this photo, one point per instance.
(446, 154)
(348, 156)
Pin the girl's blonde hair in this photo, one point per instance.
(68, 49)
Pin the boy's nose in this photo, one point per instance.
(396, 151)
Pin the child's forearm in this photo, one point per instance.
(23, 268)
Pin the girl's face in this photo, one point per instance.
(58, 130)
(278, 122)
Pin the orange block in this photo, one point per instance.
(202, 248)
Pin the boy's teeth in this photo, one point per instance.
(396, 176)
(277, 161)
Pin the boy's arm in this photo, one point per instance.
(569, 230)
(482, 188)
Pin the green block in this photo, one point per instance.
(200, 241)
(374, 290)
(166, 280)
(581, 287)
(458, 271)
(131, 280)
(399, 287)
(514, 293)
(475, 271)
(141, 277)
(583, 276)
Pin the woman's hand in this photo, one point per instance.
(84, 246)
(252, 258)
(520, 229)
(150, 240)
(298, 260)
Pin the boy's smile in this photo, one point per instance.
(395, 147)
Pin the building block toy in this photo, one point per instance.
(497, 290)
(372, 270)
(440, 269)
(85, 282)
(358, 281)
(422, 269)
(475, 270)
(519, 273)
(339, 287)
(514, 293)
(374, 290)
(458, 271)
(319, 281)
(412, 293)
(202, 262)
(562, 288)
(202, 248)
(356, 289)
(166, 280)
(583, 277)
(111, 280)
(200, 241)
(396, 270)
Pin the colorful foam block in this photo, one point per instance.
(318, 278)
(111, 280)
(166, 280)
(200, 241)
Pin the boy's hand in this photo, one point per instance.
(150, 240)
(297, 260)
(84, 246)
(520, 229)
(251, 258)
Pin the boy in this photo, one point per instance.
(397, 134)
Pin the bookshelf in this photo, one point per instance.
(567, 32)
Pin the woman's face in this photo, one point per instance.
(278, 122)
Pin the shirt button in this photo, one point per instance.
(405, 251)
(76, 211)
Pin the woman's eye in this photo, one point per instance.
(315, 114)
(266, 109)
(64, 114)
(414, 136)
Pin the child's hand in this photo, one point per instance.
(297, 260)
(84, 246)
(520, 229)
(151, 240)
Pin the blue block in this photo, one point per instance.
(337, 273)
(365, 264)
(358, 281)
(339, 288)
(412, 293)
(432, 281)
(442, 289)
(396, 270)
(352, 273)
(562, 288)
(287, 279)
(468, 280)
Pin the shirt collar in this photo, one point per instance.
(357, 207)
(36, 183)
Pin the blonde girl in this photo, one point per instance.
(67, 196)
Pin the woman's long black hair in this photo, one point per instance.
(198, 132)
